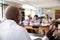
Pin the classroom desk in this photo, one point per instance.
(40, 28)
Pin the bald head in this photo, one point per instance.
(12, 13)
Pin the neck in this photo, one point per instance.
(15, 21)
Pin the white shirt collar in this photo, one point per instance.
(10, 21)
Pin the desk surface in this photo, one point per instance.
(40, 28)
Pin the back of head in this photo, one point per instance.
(12, 13)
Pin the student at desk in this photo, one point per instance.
(46, 21)
(9, 29)
(35, 21)
(27, 21)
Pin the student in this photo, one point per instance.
(57, 21)
(27, 21)
(49, 35)
(10, 30)
(46, 21)
(35, 21)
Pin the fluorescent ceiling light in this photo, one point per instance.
(29, 7)
(22, 0)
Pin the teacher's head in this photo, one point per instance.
(12, 13)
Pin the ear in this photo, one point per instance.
(18, 17)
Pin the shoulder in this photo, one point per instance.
(17, 27)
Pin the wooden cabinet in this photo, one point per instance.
(57, 13)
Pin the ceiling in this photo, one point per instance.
(38, 3)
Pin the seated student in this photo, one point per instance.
(57, 21)
(29, 19)
(49, 35)
(9, 29)
(35, 21)
(21, 21)
(47, 20)
(27, 22)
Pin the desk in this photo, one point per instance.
(44, 28)
(40, 28)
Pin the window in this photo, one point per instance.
(0, 11)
